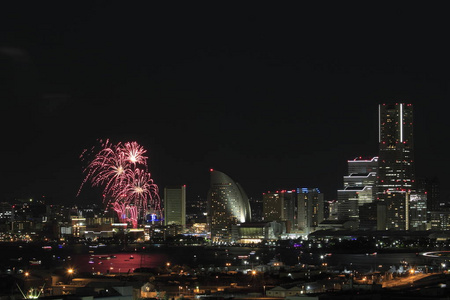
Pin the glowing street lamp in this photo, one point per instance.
(70, 272)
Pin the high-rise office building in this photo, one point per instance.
(359, 187)
(175, 205)
(440, 220)
(431, 187)
(273, 204)
(228, 205)
(290, 209)
(281, 206)
(257, 209)
(417, 211)
(310, 209)
(396, 149)
(396, 177)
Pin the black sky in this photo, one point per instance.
(277, 96)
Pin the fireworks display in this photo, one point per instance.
(122, 171)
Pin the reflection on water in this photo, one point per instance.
(111, 258)
(117, 262)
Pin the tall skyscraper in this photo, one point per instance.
(273, 204)
(228, 205)
(396, 177)
(290, 209)
(310, 209)
(359, 187)
(175, 205)
(281, 206)
(396, 149)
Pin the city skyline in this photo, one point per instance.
(274, 103)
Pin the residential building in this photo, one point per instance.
(310, 209)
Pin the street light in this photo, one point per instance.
(70, 272)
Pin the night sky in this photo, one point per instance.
(276, 96)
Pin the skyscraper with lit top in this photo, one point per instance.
(395, 177)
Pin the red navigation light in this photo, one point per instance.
(211, 170)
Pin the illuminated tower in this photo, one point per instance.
(175, 205)
(227, 205)
(395, 164)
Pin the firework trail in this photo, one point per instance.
(121, 170)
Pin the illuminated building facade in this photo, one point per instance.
(359, 187)
(418, 211)
(396, 162)
(273, 203)
(175, 206)
(281, 206)
(249, 233)
(431, 187)
(396, 177)
(310, 209)
(228, 205)
(440, 220)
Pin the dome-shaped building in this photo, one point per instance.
(228, 205)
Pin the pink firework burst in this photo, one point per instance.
(127, 186)
(139, 189)
(134, 153)
(109, 168)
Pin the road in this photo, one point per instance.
(414, 281)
